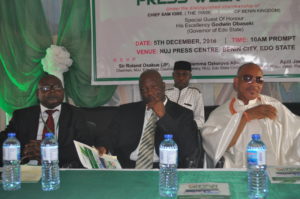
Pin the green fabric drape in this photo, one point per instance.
(75, 35)
(24, 37)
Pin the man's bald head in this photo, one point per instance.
(249, 82)
(151, 85)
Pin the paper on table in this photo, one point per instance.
(208, 190)
(31, 173)
(90, 159)
(28, 173)
(287, 175)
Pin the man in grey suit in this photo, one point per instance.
(124, 135)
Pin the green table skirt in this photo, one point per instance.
(131, 184)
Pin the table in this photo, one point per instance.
(134, 184)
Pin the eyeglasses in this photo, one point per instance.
(50, 87)
(250, 78)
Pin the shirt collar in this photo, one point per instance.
(250, 102)
(165, 102)
(240, 103)
(181, 89)
(43, 108)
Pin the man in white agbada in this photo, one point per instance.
(230, 126)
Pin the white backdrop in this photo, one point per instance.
(216, 37)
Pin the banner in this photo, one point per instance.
(216, 36)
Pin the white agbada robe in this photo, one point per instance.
(281, 136)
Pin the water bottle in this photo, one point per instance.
(257, 176)
(50, 167)
(11, 174)
(168, 152)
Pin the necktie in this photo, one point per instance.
(49, 125)
(145, 156)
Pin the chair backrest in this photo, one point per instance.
(99, 118)
(294, 107)
(196, 159)
(208, 110)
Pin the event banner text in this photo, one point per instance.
(216, 36)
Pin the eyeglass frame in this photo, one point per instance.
(48, 88)
(258, 79)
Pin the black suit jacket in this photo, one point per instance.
(72, 126)
(125, 131)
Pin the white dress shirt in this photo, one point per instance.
(43, 118)
(134, 154)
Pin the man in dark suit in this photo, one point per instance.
(124, 136)
(29, 124)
